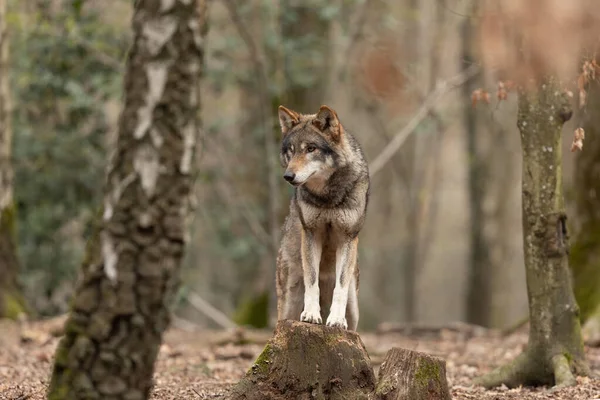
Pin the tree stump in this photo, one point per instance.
(306, 361)
(410, 375)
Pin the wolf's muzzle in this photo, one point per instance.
(289, 176)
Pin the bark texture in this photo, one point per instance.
(120, 307)
(305, 361)
(12, 303)
(585, 253)
(410, 375)
(554, 354)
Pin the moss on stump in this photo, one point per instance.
(411, 375)
(305, 361)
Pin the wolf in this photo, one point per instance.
(317, 260)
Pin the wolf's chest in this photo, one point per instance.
(337, 218)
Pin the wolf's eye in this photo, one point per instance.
(310, 148)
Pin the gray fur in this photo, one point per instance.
(327, 212)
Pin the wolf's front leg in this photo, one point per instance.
(345, 262)
(311, 257)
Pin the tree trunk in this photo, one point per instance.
(305, 361)
(585, 253)
(305, 64)
(261, 130)
(12, 303)
(120, 307)
(555, 349)
(479, 296)
(426, 162)
(411, 375)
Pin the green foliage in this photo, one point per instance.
(7, 221)
(329, 11)
(60, 82)
(254, 311)
(13, 305)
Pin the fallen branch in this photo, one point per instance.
(211, 312)
(184, 324)
(420, 330)
(240, 336)
(429, 103)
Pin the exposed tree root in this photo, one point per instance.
(583, 369)
(562, 371)
(523, 370)
(512, 375)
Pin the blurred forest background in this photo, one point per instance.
(443, 237)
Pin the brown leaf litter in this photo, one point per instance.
(203, 365)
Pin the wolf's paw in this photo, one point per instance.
(337, 321)
(311, 316)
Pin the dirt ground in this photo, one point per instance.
(203, 365)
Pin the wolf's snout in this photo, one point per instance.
(289, 176)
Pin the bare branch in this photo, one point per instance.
(429, 103)
(210, 311)
(245, 35)
(100, 55)
(356, 34)
(228, 193)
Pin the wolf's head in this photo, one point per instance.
(311, 145)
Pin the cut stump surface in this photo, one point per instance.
(305, 361)
(411, 375)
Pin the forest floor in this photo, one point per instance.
(203, 365)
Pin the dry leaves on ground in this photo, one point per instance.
(202, 365)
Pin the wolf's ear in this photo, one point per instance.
(287, 119)
(327, 122)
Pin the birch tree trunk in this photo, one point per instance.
(120, 307)
(554, 353)
(11, 299)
